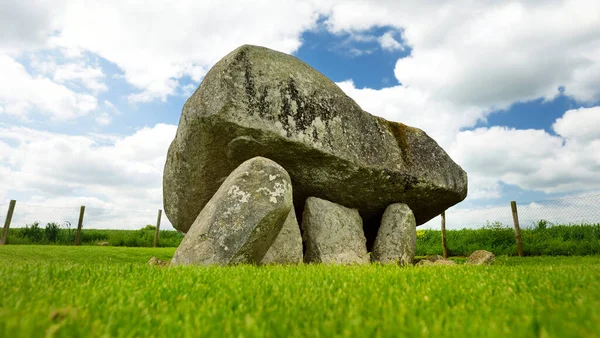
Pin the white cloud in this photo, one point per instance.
(20, 93)
(387, 42)
(533, 159)
(26, 25)
(103, 119)
(581, 124)
(61, 170)
(488, 54)
(441, 120)
(77, 73)
(469, 53)
(157, 44)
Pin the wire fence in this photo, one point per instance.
(94, 218)
(564, 211)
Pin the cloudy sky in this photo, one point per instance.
(91, 94)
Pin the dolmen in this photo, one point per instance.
(273, 164)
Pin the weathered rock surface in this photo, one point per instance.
(158, 262)
(333, 234)
(481, 257)
(434, 258)
(436, 262)
(287, 247)
(259, 102)
(240, 222)
(396, 240)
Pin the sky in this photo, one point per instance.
(91, 92)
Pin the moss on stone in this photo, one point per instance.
(399, 131)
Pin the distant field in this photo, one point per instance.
(541, 240)
(557, 240)
(62, 236)
(110, 291)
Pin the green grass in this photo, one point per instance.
(545, 240)
(64, 236)
(554, 240)
(99, 291)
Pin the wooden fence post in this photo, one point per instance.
(11, 209)
(79, 225)
(157, 228)
(513, 206)
(444, 246)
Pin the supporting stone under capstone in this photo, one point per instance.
(333, 234)
(242, 219)
(396, 240)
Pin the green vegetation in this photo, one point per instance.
(104, 291)
(543, 239)
(56, 234)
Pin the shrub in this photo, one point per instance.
(33, 232)
(51, 232)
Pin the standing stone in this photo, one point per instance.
(481, 257)
(287, 248)
(260, 102)
(333, 233)
(396, 240)
(242, 219)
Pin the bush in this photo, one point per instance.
(543, 238)
(51, 232)
(33, 232)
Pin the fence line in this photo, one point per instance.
(83, 218)
(566, 210)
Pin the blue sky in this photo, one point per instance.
(87, 110)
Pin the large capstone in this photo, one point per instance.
(287, 247)
(396, 240)
(259, 102)
(333, 234)
(240, 222)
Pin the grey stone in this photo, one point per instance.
(287, 247)
(396, 240)
(259, 102)
(442, 261)
(435, 258)
(242, 219)
(481, 257)
(423, 262)
(158, 262)
(333, 234)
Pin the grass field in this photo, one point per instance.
(110, 291)
(556, 240)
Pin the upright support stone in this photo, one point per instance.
(287, 247)
(240, 222)
(333, 233)
(396, 240)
